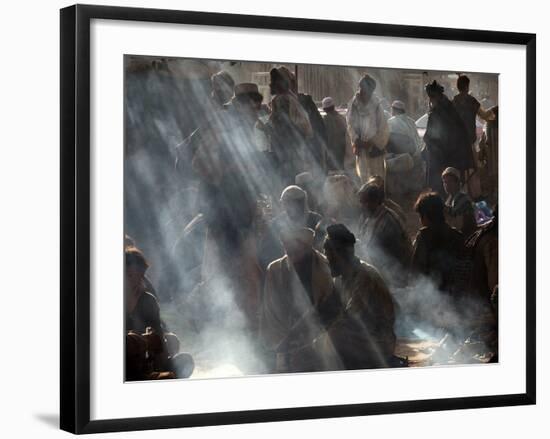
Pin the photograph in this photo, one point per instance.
(284, 218)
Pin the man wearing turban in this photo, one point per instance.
(368, 130)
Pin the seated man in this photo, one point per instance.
(362, 335)
(384, 241)
(438, 249)
(298, 288)
(459, 209)
(295, 214)
(143, 321)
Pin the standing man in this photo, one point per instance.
(469, 108)
(363, 334)
(291, 129)
(404, 164)
(368, 130)
(446, 138)
(338, 143)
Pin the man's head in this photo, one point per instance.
(222, 87)
(294, 203)
(281, 80)
(435, 92)
(297, 242)
(339, 248)
(367, 85)
(397, 108)
(136, 266)
(328, 104)
(451, 181)
(371, 196)
(463, 84)
(430, 206)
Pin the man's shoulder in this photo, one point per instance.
(276, 264)
(368, 274)
(423, 233)
(368, 270)
(148, 300)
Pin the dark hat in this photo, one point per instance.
(433, 88)
(246, 88)
(367, 82)
(340, 234)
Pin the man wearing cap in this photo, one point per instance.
(469, 108)
(404, 137)
(362, 334)
(368, 130)
(298, 287)
(405, 166)
(459, 209)
(338, 143)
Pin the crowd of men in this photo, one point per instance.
(295, 222)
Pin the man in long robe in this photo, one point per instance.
(291, 129)
(298, 290)
(368, 130)
(446, 138)
(405, 166)
(338, 142)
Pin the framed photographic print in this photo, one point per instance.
(273, 218)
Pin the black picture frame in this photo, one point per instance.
(75, 217)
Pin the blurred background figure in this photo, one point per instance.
(405, 167)
(338, 142)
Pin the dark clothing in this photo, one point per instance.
(484, 247)
(291, 131)
(145, 314)
(336, 128)
(386, 245)
(438, 252)
(316, 146)
(467, 107)
(363, 335)
(460, 213)
(447, 143)
(304, 270)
